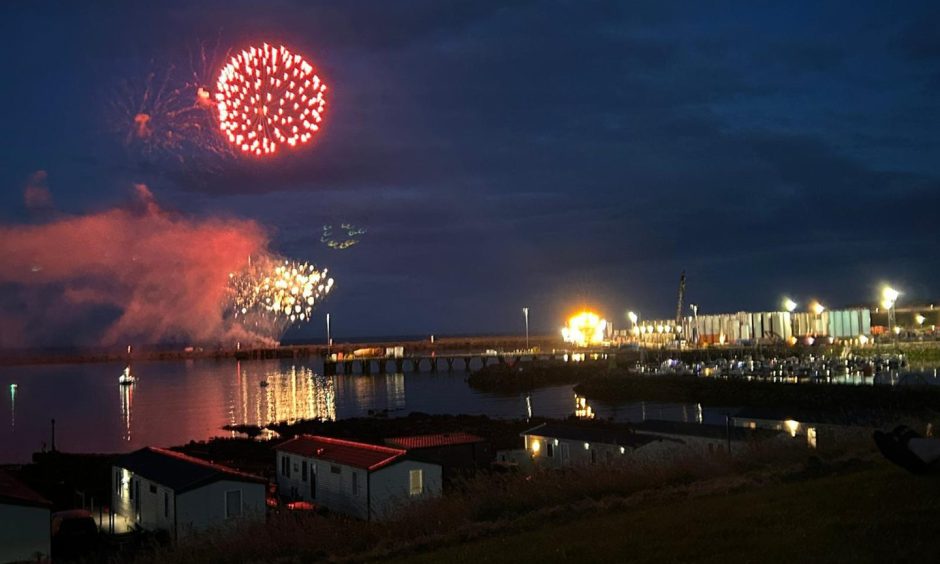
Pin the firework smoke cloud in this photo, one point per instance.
(36, 195)
(138, 273)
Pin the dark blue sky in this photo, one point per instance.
(546, 154)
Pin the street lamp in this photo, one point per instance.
(329, 340)
(789, 306)
(818, 309)
(525, 313)
(889, 298)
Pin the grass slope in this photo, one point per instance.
(881, 514)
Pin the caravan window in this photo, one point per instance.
(416, 482)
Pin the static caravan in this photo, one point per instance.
(24, 523)
(157, 489)
(358, 479)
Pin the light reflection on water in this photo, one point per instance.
(174, 402)
(287, 394)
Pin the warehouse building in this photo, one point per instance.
(747, 328)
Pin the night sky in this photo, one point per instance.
(501, 155)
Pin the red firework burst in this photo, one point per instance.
(269, 97)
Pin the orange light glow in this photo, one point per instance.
(585, 328)
(257, 92)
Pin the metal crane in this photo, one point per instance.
(679, 302)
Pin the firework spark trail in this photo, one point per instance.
(269, 97)
(152, 117)
(169, 116)
(348, 238)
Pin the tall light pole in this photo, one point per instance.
(329, 340)
(694, 332)
(818, 309)
(633, 317)
(889, 298)
(525, 313)
(790, 306)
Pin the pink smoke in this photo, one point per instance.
(36, 196)
(165, 274)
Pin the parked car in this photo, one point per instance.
(74, 534)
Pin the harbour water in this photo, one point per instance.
(172, 403)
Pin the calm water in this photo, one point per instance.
(174, 402)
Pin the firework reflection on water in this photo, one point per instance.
(288, 396)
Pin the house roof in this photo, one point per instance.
(178, 471)
(348, 453)
(809, 416)
(15, 492)
(700, 430)
(592, 434)
(432, 441)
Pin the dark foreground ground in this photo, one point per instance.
(876, 514)
(774, 506)
(777, 502)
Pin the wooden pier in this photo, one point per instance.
(432, 362)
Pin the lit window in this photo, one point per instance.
(416, 482)
(811, 437)
(587, 446)
(792, 427)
